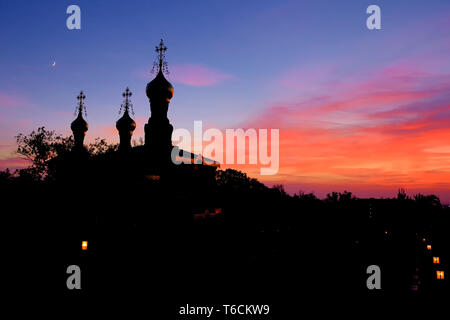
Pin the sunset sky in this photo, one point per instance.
(361, 110)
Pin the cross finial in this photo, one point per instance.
(80, 98)
(127, 106)
(127, 94)
(162, 64)
(161, 50)
(81, 105)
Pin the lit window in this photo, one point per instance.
(429, 247)
(440, 274)
(436, 260)
(84, 245)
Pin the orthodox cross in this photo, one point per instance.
(161, 57)
(81, 105)
(127, 106)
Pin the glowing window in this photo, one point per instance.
(440, 274)
(429, 247)
(436, 260)
(84, 245)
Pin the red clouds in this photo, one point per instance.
(382, 132)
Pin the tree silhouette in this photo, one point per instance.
(332, 197)
(39, 147)
(5, 175)
(306, 196)
(101, 146)
(42, 145)
(402, 194)
(237, 180)
(430, 200)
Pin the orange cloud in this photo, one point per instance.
(371, 137)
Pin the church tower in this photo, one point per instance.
(126, 125)
(79, 126)
(158, 130)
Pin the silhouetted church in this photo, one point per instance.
(147, 166)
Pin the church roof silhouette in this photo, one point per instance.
(148, 163)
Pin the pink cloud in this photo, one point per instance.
(13, 163)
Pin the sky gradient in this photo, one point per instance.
(361, 110)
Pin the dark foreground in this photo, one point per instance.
(160, 247)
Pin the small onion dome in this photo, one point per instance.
(79, 124)
(125, 123)
(159, 88)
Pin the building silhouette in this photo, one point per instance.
(145, 166)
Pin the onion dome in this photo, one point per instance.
(79, 125)
(159, 88)
(126, 123)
